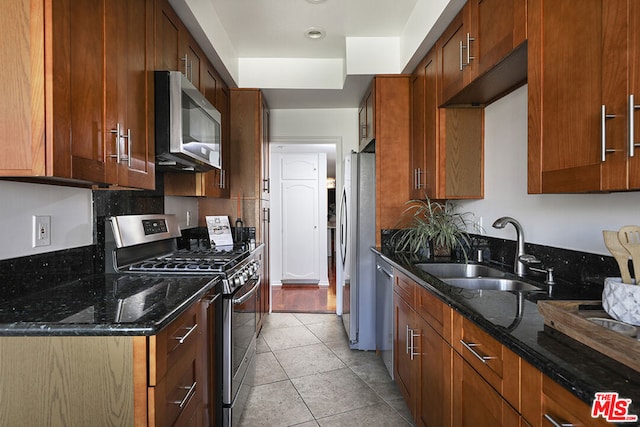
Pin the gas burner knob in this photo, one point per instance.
(237, 281)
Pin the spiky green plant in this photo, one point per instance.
(433, 221)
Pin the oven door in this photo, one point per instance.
(240, 342)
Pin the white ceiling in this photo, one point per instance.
(261, 43)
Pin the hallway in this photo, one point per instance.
(306, 375)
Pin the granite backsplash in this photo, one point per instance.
(578, 268)
(25, 275)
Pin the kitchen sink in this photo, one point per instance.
(490, 284)
(448, 270)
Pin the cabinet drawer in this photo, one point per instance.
(499, 366)
(479, 349)
(405, 288)
(179, 392)
(169, 346)
(436, 313)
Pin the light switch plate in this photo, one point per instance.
(41, 230)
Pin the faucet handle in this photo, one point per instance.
(550, 280)
(529, 259)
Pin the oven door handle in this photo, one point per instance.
(245, 297)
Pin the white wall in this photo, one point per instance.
(571, 221)
(70, 209)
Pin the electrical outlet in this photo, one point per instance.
(41, 230)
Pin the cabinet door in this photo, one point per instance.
(129, 70)
(565, 100)
(79, 135)
(418, 133)
(634, 93)
(405, 368)
(475, 402)
(23, 90)
(435, 378)
(497, 26)
(167, 37)
(264, 150)
(454, 56)
(192, 57)
(433, 176)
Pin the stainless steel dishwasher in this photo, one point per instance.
(384, 312)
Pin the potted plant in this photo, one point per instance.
(433, 225)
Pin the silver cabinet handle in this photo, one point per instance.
(632, 138)
(183, 338)
(413, 354)
(116, 131)
(469, 40)
(470, 347)
(384, 271)
(127, 156)
(461, 61)
(555, 423)
(190, 392)
(420, 178)
(185, 59)
(407, 340)
(221, 182)
(603, 127)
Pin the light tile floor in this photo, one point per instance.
(306, 375)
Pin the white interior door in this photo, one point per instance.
(300, 221)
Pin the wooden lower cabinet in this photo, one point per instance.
(445, 383)
(422, 359)
(475, 402)
(107, 380)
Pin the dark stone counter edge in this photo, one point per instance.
(583, 390)
(106, 329)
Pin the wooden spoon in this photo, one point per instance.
(629, 236)
(619, 252)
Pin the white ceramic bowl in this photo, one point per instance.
(621, 300)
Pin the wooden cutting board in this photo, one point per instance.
(566, 317)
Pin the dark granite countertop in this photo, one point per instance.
(576, 367)
(104, 304)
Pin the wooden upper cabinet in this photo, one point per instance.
(447, 148)
(247, 112)
(455, 57)
(482, 52)
(96, 75)
(498, 27)
(22, 94)
(129, 94)
(392, 123)
(175, 48)
(418, 134)
(579, 117)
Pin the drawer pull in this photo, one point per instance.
(191, 391)
(469, 346)
(183, 338)
(555, 423)
(412, 347)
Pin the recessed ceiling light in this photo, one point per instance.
(314, 33)
(316, 1)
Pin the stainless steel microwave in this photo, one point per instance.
(188, 128)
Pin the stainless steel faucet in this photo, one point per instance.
(519, 267)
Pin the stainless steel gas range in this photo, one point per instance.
(148, 244)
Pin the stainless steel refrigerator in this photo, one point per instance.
(357, 229)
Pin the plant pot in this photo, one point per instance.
(621, 300)
(440, 251)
